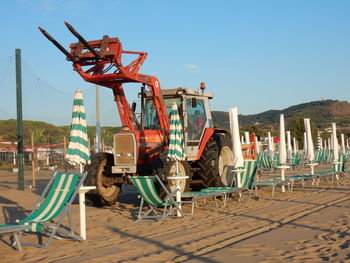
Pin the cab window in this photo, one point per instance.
(151, 119)
(196, 118)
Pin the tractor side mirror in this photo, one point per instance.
(194, 103)
(133, 106)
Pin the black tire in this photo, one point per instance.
(165, 169)
(101, 166)
(225, 158)
(208, 164)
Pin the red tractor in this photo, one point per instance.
(141, 146)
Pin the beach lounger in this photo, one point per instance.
(334, 173)
(150, 196)
(49, 211)
(337, 169)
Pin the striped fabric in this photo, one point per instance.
(266, 160)
(328, 156)
(247, 177)
(249, 167)
(78, 147)
(319, 156)
(57, 198)
(341, 166)
(296, 159)
(146, 188)
(176, 149)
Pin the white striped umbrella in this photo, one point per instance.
(176, 149)
(78, 147)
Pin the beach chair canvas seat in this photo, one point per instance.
(247, 178)
(49, 211)
(150, 197)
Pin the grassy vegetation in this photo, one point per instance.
(46, 133)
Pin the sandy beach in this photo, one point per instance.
(311, 224)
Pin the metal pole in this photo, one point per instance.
(19, 120)
(64, 153)
(98, 123)
(33, 161)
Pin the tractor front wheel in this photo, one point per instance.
(100, 169)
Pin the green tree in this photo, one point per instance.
(296, 127)
(39, 136)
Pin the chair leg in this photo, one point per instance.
(17, 237)
(140, 210)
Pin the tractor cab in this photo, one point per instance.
(194, 113)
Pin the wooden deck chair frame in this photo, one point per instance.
(152, 199)
(44, 222)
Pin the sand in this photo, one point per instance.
(311, 224)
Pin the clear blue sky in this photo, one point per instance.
(256, 55)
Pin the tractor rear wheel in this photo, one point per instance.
(101, 167)
(208, 164)
(166, 169)
(225, 159)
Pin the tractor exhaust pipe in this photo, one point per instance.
(82, 40)
(58, 45)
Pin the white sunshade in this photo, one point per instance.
(295, 146)
(305, 143)
(270, 142)
(335, 143)
(238, 160)
(342, 143)
(309, 142)
(289, 145)
(246, 135)
(282, 146)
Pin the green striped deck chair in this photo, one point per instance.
(247, 177)
(296, 159)
(276, 160)
(49, 211)
(266, 161)
(319, 156)
(150, 196)
(328, 156)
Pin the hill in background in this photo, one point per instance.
(321, 113)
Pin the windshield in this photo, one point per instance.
(151, 120)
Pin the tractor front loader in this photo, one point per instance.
(140, 148)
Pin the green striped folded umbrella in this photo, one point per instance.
(78, 147)
(176, 149)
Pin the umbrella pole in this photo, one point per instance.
(177, 167)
